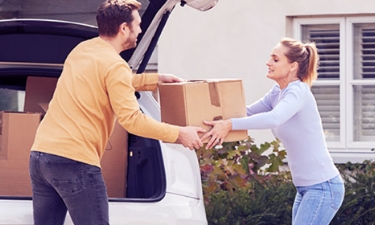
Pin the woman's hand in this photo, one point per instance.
(219, 131)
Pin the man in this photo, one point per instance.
(95, 88)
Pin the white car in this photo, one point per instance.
(163, 183)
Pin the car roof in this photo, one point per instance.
(34, 31)
(39, 46)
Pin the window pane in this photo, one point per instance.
(364, 113)
(328, 100)
(11, 100)
(327, 40)
(364, 51)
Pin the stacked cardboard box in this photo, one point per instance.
(17, 135)
(17, 131)
(115, 162)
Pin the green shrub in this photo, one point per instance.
(236, 164)
(358, 207)
(264, 203)
(242, 185)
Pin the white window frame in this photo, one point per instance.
(297, 31)
(351, 81)
(352, 149)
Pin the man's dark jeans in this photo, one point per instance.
(60, 184)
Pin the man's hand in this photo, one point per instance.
(218, 133)
(169, 78)
(189, 137)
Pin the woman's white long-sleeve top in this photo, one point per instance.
(293, 116)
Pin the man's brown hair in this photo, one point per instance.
(112, 13)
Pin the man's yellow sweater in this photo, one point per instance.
(96, 87)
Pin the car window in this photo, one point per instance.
(11, 100)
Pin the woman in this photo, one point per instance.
(290, 110)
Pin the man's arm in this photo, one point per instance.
(145, 81)
(126, 107)
(149, 81)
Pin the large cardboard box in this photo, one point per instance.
(39, 92)
(17, 132)
(189, 103)
(115, 162)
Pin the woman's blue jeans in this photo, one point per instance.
(60, 184)
(317, 204)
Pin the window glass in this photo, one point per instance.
(11, 100)
(364, 112)
(328, 101)
(364, 51)
(327, 40)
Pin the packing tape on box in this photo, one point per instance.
(214, 94)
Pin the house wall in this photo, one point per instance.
(232, 40)
(235, 38)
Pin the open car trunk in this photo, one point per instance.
(33, 53)
(136, 169)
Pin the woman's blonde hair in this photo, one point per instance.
(306, 55)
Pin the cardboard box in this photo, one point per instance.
(16, 138)
(189, 103)
(39, 92)
(17, 132)
(115, 162)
